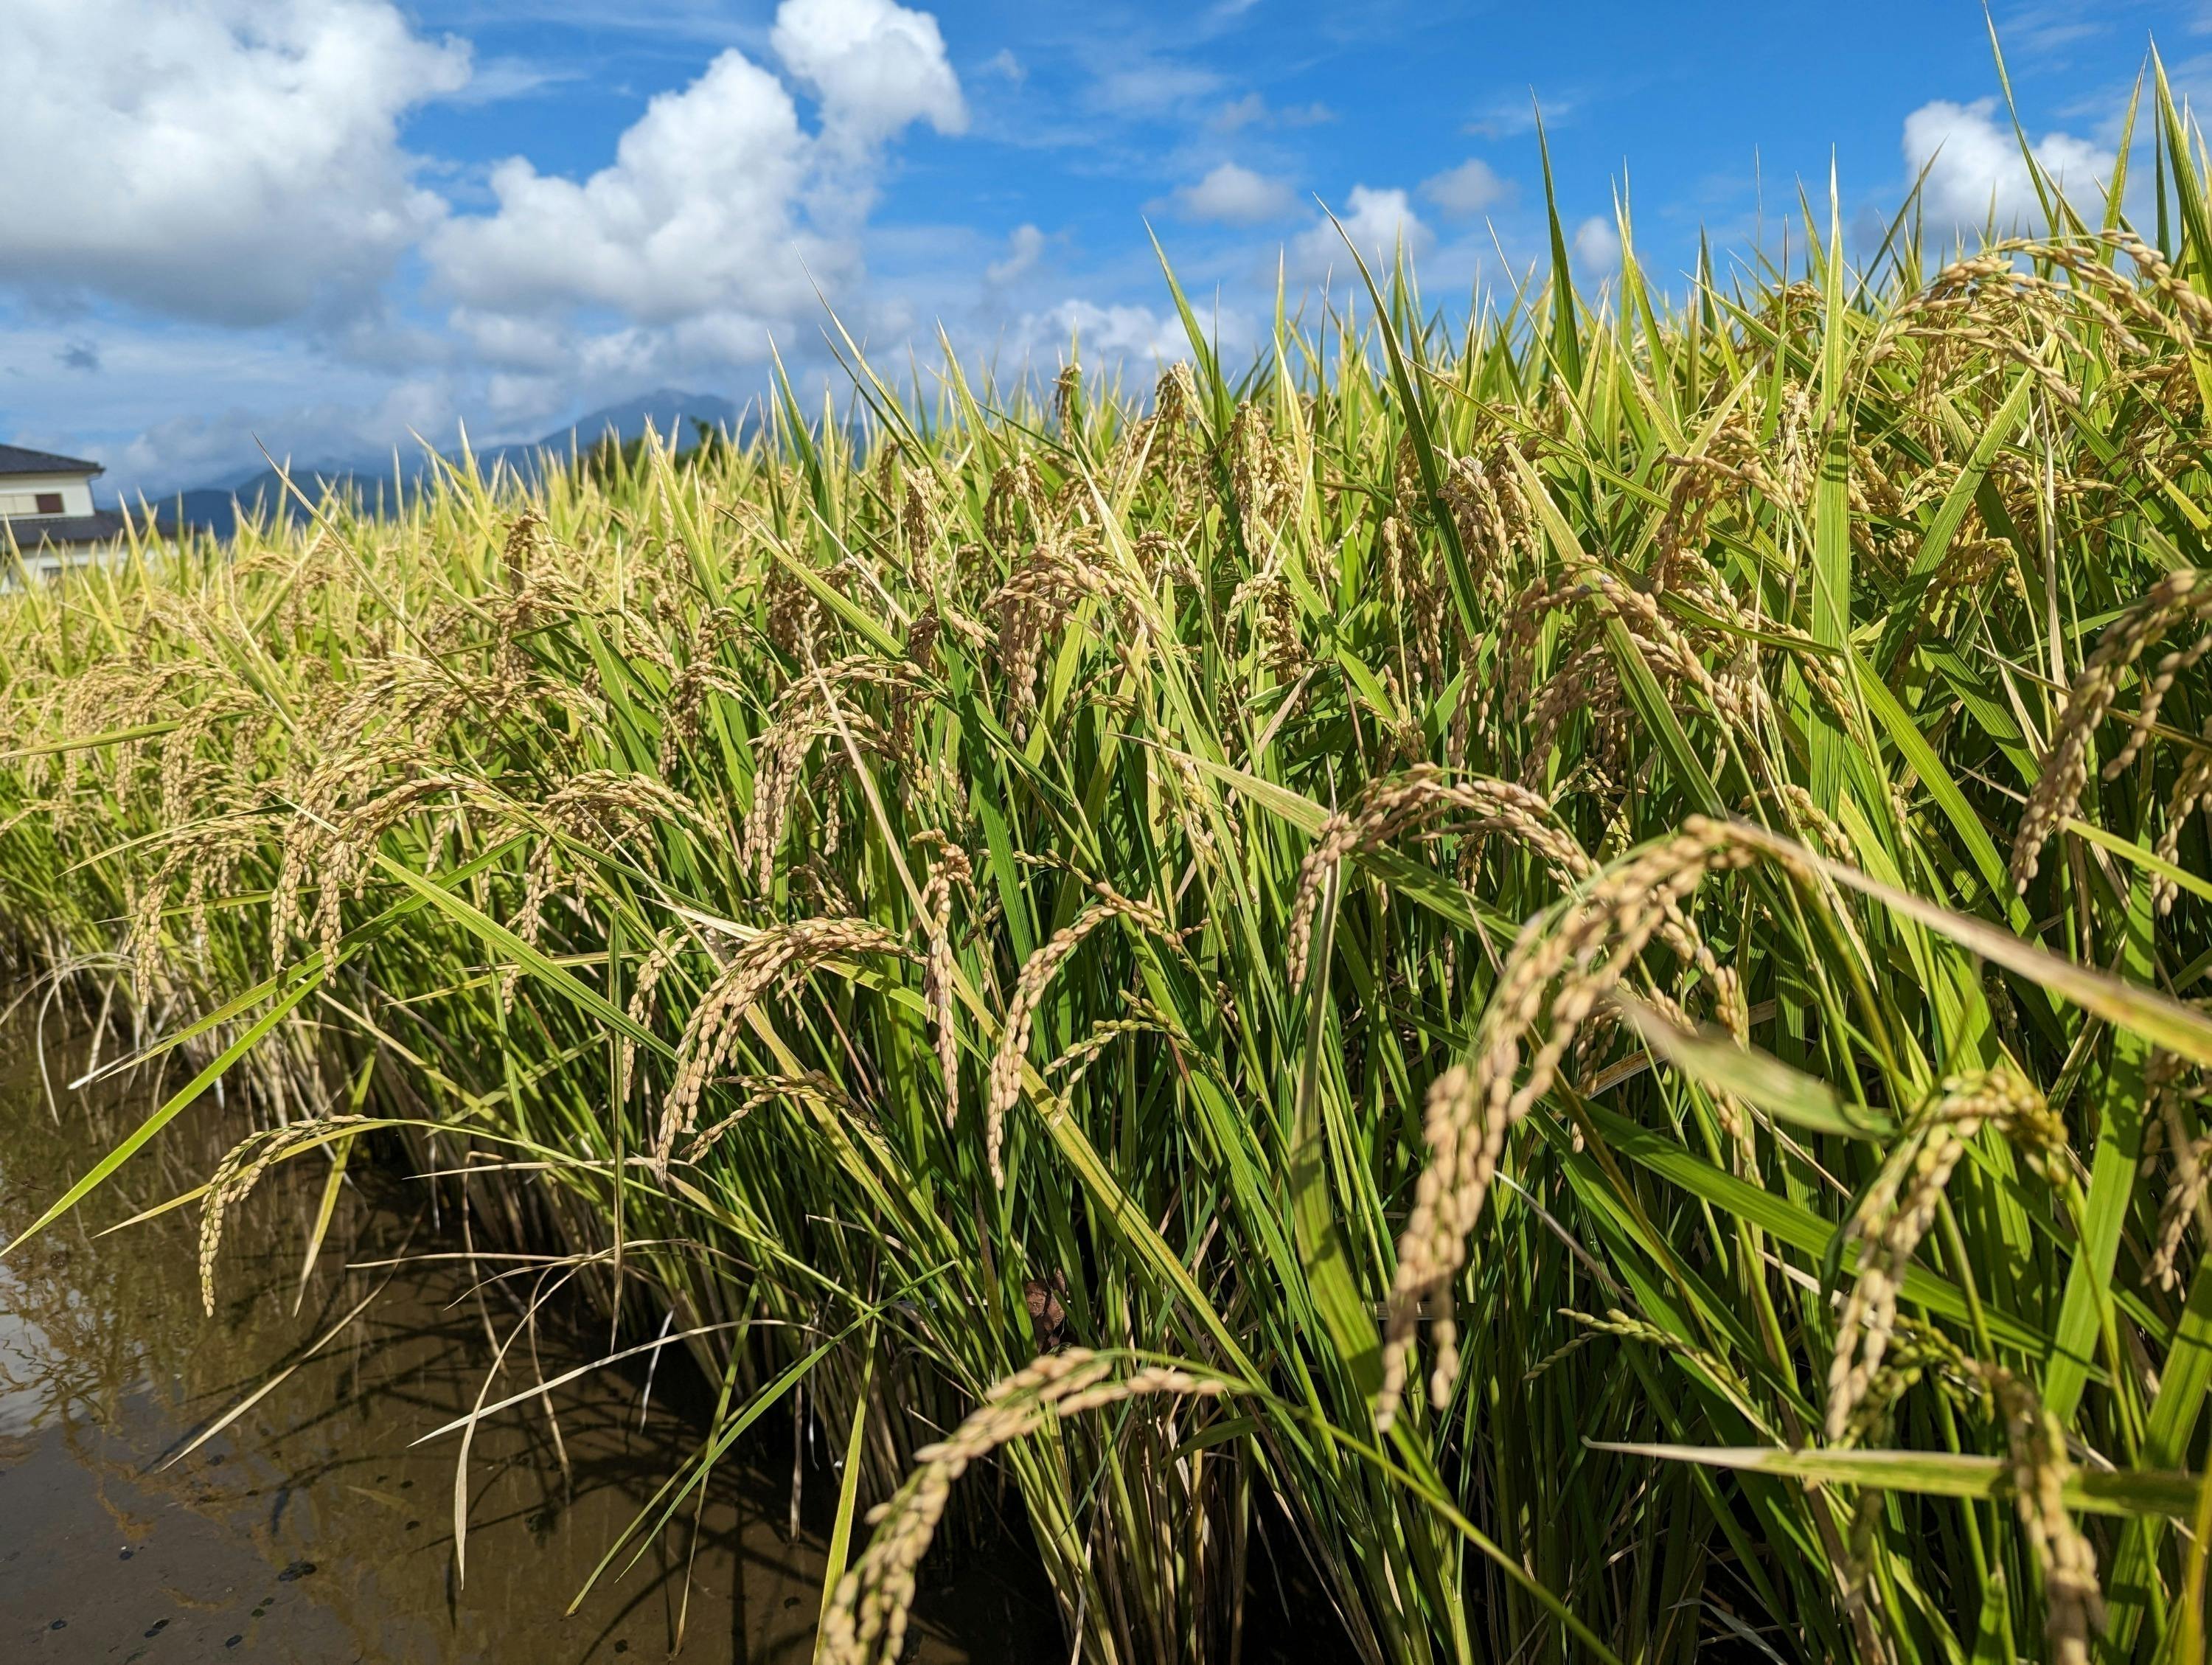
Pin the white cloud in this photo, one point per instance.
(1467, 190)
(2046, 29)
(1508, 115)
(1377, 223)
(1975, 170)
(1595, 247)
(1239, 113)
(190, 451)
(1139, 85)
(236, 160)
(1242, 113)
(719, 214)
(1023, 247)
(496, 79)
(1105, 334)
(695, 213)
(1235, 196)
(879, 66)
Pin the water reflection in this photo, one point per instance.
(309, 1528)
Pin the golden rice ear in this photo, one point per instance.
(866, 1620)
(1899, 1208)
(2180, 596)
(1037, 975)
(1413, 801)
(2169, 1082)
(1559, 973)
(240, 1170)
(2039, 1466)
(779, 952)
(952, 869)
(814, 708)
(1030, 988)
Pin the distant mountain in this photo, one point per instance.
(667, 410)
(669, 413)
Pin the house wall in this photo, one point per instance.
(19, 493)
(45, 564)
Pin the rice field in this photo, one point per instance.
(1547, 967)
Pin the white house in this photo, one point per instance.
(46, 510)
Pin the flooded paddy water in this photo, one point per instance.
(312, 1528)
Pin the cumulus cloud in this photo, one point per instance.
(1466, 191)
(1975, 173)
(1107, 333)
(1596, 246)
(719, 214)
(1377, 223)
(1235, 196)
(233, 161)
(694, 212)
(1023, 247)
(877, 66)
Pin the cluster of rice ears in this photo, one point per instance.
(1554, 968)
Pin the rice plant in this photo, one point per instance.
(1550, 965)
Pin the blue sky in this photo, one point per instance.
(319, 225)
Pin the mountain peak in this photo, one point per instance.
(670, 412)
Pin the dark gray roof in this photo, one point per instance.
(19, 459)
(98, 527)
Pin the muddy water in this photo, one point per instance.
(311, 1528)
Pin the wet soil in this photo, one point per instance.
(313, 1527)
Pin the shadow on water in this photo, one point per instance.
(311, 1528)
